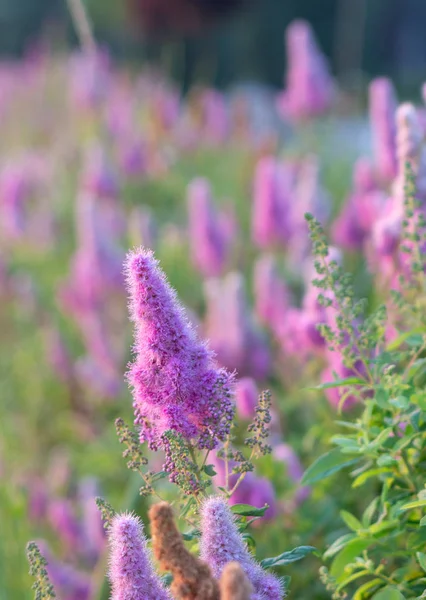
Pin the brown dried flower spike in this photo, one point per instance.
(234, 584)
(192, 578)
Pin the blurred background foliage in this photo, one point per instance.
(374, 37)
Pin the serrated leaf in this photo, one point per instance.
(327, 465)
(246, 510)
(388, 593)
(351, 521)
(287, 557)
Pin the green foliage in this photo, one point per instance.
(386, 444)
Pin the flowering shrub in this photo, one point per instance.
(277, 444)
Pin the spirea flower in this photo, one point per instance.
(271, 203)
(310, 89)
(272, 297)
(383, 106)
(246, 394)
(233, 333)
(222, 543)
(131, 572)
(176, 383)
(208, 243)
(234, 584)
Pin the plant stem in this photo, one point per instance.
(82, 25)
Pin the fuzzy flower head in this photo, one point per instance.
(221, 543)
(383, 106)
(176, 383)
(272, 297)
(310, 89)
(271, 203)
(234, 333)
(208, 243)
(131, 572)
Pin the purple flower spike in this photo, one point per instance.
(272, 297)
(310, 88)
(208, 243)
(70, 583)
(284, 452)
(62, 517)
(234, 334)
(90, 79)
(271, 203)
(130, 570)
(246, 395)
(176, 383)
(221, 543)
(383, 105)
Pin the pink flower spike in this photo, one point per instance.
(246, 395)
(176, 383)
(271, 203)
(272, 297)
(131, 572)
(207, 240)
(383, 105)
(222, 543)
(310, 89)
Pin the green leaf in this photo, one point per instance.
(249, 540)
(367, 517)
(400, 402)
(351, 521)
(348, 555)
(361, 479)
(388, 593)
(411, 337)
(327, 465)
(191, 535)
(414, 504)
(421, 559)
(338, 383)
(351, 578)
(209, 470)
(246, 510)
(380, 439)
(339, 544)
(378, 528)
(287, 557)
(167, 579)
(345, 442)
(367, 587)
(422, 522)
(386, 460)
(381, 397)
